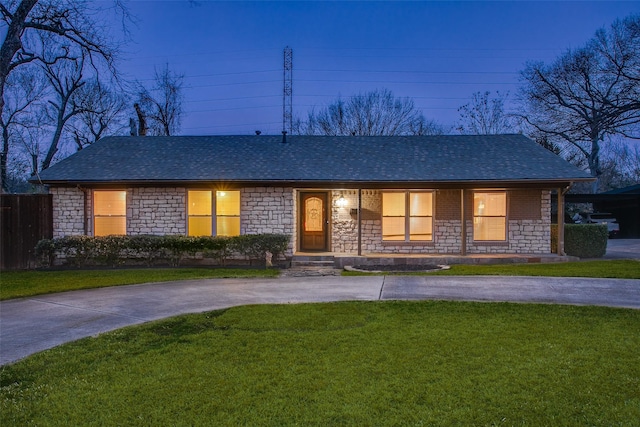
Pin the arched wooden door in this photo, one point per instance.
(313, 222)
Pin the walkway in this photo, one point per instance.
(29, 325)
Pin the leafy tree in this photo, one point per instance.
(368, 114)
(588, 94)
(486, 115)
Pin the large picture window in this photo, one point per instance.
(202, 204)
(109, 213)
(407, 216)
(490, 216)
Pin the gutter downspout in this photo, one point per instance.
(561, 194)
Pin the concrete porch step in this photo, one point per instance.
(312, 261)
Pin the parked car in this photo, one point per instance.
(599, 218)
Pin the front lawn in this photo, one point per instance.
(15, 284)
(615, 269)
(350, 363)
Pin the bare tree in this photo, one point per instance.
(24, 89)
(161, 106)
(101, 112)
(66, 79)
(372, 113)
(486, 115)
(588, 94)
(44, 32)
(620, 165)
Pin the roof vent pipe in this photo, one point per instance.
(284, 136)
(258, 132)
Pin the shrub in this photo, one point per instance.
(112, 250)
(108, 249)
(146, 247)
(254, 246)
(218, 248)
(45, 252)
(78, 250)
(586, 240)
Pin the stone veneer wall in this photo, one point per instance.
(68, 211)
(268, 210)
(273, 210)
(156, 211)
(528, 232)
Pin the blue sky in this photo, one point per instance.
(438, 53)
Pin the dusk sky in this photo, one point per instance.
(438, 53)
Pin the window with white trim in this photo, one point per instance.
(407, 216)
(109, 213)
(201, 206)
(490, 216)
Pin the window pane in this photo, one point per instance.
(228, 226)
(200, 226)
(393, 228)
(107, 225)
(199, 203)
(420, 228)
(421, 204)
(490, 204)
(227, 203)
(393, 204)
(489, 228)
(110, 203)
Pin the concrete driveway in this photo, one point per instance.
(29, 325)
(623, 249)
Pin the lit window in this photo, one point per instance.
(398, 226)
(202, 222)
(199, 212)
(227, 213)
(490, 216)
(109, 213)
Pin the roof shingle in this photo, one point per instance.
(447, 158)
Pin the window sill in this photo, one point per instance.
(408, 243)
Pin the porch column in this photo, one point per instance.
(359, 221)
(463, 225)
(561, 222)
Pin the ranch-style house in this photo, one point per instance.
(457, 194)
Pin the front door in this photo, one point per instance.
(313, 224)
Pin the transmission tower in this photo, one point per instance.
(287, 92)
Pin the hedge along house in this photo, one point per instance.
(444, 195)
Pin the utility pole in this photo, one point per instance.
(287, 92)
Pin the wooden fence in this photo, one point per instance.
(24, 220)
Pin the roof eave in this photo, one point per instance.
(546, 183)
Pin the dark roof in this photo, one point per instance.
(632, 189)
(313, 159)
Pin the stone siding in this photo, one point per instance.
(160, 211)
(68, 211)
(268, 210)
(528, 232)
(156, 211)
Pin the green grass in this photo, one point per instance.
(15, 284)
(347, 364)
(616, 269)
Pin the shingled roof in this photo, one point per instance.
(313, 159)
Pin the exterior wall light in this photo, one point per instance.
(341, 202)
